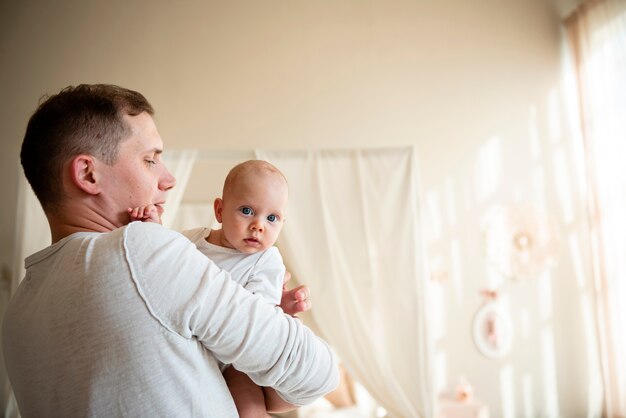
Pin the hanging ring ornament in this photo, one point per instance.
(492, 331)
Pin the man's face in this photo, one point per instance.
(252, 213)
(138, 177)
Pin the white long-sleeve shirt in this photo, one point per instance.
(132, 323)
(261, 273)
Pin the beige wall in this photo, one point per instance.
(245, 74)
(445, 76)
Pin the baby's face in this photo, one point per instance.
(253, 212)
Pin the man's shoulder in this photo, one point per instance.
(139, 228)
(150, 235)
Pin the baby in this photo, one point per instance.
(252, 212)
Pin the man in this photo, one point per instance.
(129, 319)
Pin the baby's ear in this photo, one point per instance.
(218, 207)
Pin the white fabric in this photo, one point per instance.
(598, 36)
(180, 164)
(261, 273)
(32, 230)
(353, 235)
(191, 215)
(131, 323)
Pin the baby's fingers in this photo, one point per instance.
(137, 213)
(132, 212)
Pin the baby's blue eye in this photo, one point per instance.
(246, 210)
(272, 218)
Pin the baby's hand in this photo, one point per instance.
(146, 213)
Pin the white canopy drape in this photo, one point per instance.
(353, 236)
(180, 164)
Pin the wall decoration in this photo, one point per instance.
(520, 241)
(492, 329)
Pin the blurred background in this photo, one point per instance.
(482, 140)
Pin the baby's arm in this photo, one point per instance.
(252, 400)
(268, 277)
(293, 302)
(146, 213)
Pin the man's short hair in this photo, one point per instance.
(85, 119)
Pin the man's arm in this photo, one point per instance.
(269, 280)
(199, 300)
(293, 302)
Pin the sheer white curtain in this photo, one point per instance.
(353, 235)
(180, 164)
(204, 184)
(32, 232)
(597, 33)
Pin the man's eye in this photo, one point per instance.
(272, 218)
(151, 162)
(246, 210)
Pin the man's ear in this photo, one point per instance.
(218, 207)
(82, 173)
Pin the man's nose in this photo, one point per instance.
(167, 180)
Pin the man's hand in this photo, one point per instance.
(146, 213)
(295, 300)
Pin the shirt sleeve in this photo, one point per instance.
(268, 276)
(191, 297)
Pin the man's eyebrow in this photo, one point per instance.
(155, 150)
